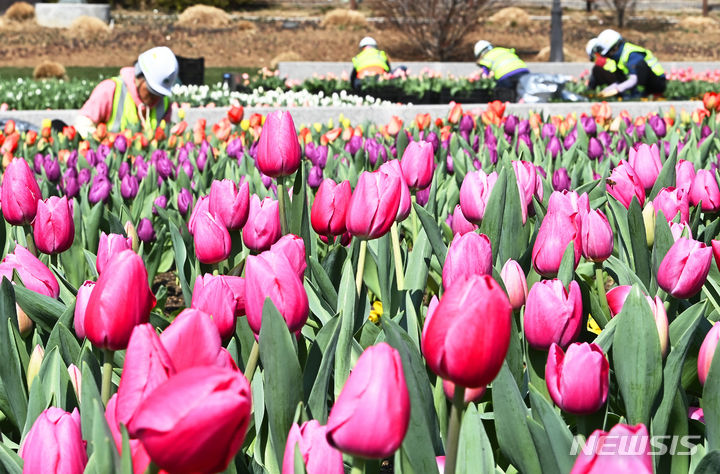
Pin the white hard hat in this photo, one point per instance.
(482, 47)
(591, 48)
(160, 68)
(607, 39)
(368, 41)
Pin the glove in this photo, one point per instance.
(609, 92)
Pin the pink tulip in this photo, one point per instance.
(140, 458)
(707, 352)
(53, 227)
(201, 206)
(278, 151)
(646, 163)
(213, 295)
(596, 236)
(578, 380)
(475, 193)
(318, 456)
(109, 246)
(715, 244)
(33, 273)
(558, 229)
(212, 239)
(553, 315)
(684, 175)
(329, 209)
(293, 248)
(54, 444)
(515, 283)
(705, 189)
(392, 169)
(469, 254)
(672, 201)
(526, 175)
(418, 164)
(683, 271)
(81, 302)
(374, 205)
(466, 338)
(459, 225)
(624, 184)
(696, 413)
(616, 298)
(193, 340)
(196, 421)
(375, 389)
(263, 224)
(230, 204)
(679, 230)
(20, 193)
(270, 275)
(625, 449)
(108, 324)
(471, 394)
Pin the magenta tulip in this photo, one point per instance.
(33, 273)
(553, 315)
(263, 224)
(109, 246)
(193, 340)
(202, 206)
(624, 184)
(684, 175)
(616, 298)
(392, 169)
(278, 151)
(196, 421)
(596, 236)
(317, 455)
(458, 224)
(212, 239)
(475, 193)
(646, 163)
(578, 380)
(230, 204)
(140, 458)
(705, 189)
(528, 184)
(81, 302)
(468, 335)
(375, 389)
(707, 352)
(469, 254)
(672, 201)
(683, 271)
(329, 209)
(54, 444)
(418, 164)
(374, 205)
(625, 449)
(515, 283)
(108, 324)
(559, 229)
(213, 295)
(471, 394)
(293, 248)
(20, 193)
(715, 244)
(53, 227)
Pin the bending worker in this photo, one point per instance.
(506, 66)
(137, 99)
(644, 73)
(604, 71)
(370, 61)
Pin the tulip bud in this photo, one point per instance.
(672, 201)
(624, 184)
(132, 235)
(129, 187)
(278, 152)
(596, 236)
(648, 214)
(33, 273)
(561, 180)
(469, 254)
(471, 394)
(557, 230)
(193, 340)
(33, 368)
(329, 209)
(54, 444)
(600, 457)
(81, 301)
(553, 315)
(212, 239)
(293, 248)
(373, 205)
(213, 295)
(145, 231)
(515, 283)
(475, 193)
(53, 227)
(263, 224)
(376, 387)
(704, 189)
(393, 169)
(418, 164)
(100, 189)
(684, 175)
(526, 175)
(184, 201)
(318, 456)
(230, 204)
(578, 380)
(707, 352)
(646, 163)
(75, 380)
(459, 224)
(683, 271)
(20, 193)
(109, 246)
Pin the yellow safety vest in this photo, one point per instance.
(650, 59)
(124, 110)
(610, 65)
(501, 61)
(370, 62)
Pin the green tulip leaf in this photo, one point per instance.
(10, 462)
(433, 233)
(346, 308)
(475, 453)
(710, 464)
(11, 371)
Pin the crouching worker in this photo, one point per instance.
(370, 61)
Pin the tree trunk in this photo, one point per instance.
(353, 4)
(556, 33)
(621, 17)
(706, 8)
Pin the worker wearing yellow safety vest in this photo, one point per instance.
(644, 73)
(505, 65)
(604, 71)
(137, 99)
(369, 62)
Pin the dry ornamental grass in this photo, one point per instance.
(88, 28)
(49, 70)
(344, 18)
(203, 16)
(510, 17)
(20, 11)
(697, 23)
(283, 57)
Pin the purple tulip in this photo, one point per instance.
(570, 140)
(589, 125)
(561, 180)
(201, 160)
(605, 139)
(91, 157)
(658, 125)
(553, 146)
(160, 201)
(164, 168)
(433, 138)
(123, 170)
(84, 176)
(145, 230)
(353, 145)
(52, 170)
(235, 148)
(548, 131)
(100, 189)
(315, 177)
(38, 163)
(102, 168)
(120, 143)
(467, 123)
(72, 159)
(184, 200)
(511, 123)
(595, 148)
(102, 152)
(129, 187)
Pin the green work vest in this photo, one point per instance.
(124, 110)
(501, 61)
(610, 65)
(650, 59)
(370, 57)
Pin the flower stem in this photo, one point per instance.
(106, 376)
(361, 266)
(30, 239)
(397, 257)
(152, 468)
(282, 196)
(358, 466)
(600, 287)
(456, 411)
(252, 362)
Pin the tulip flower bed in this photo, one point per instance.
(470, 293)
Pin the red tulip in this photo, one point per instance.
(625, 449)
(147, 365)
(270, 275)
(235, 114)
(193, 340)
(393, 169)
(20, 193)
(33, 273)
(278, 152)
(196, 421)
(54, 444)
(329, 208)
(578, 380)
(707, 352)
(705, 189)
(646, 163)
(553, 315)
(596, 236)
(672, 201)
(624, 184)
(53, 227)
(471, 394)
(468, 335)
(515, 283)
(616, 298)
(293, 248)
(263, 224)
(469, 254)
(684, 175)
(373, 205)
(214, 296)
(475, 193)
(418, 164)
(140, 458)
(229, 204)
(109, 324)
(683, 271)
(212, 239)
(375, 389)
(81, 302)
(318, 456)
(109, 246)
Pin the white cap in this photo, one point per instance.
(607, 39)
(368, 41)
(160, 68)
(590, 48)
(482, 47)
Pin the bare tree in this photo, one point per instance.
(621, 7)
(437, 27)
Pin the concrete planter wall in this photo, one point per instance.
(61, 15)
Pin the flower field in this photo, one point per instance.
(467, 293)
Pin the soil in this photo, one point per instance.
(281, 31)
(174, 299)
